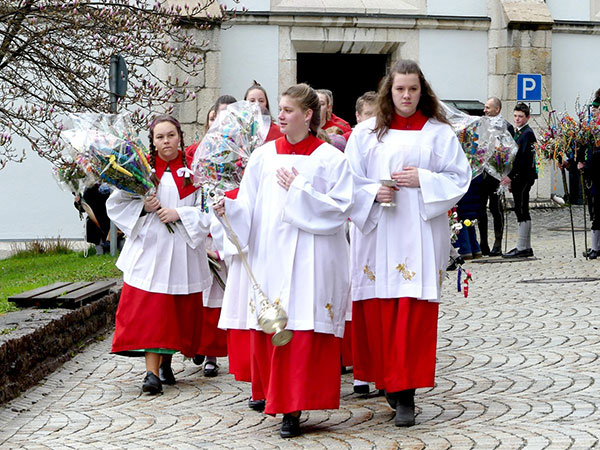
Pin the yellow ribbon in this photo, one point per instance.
(113, 162)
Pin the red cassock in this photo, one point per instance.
(147, 320)
(347, 359)
(394, 340)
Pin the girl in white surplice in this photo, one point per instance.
(399, 253)
(292, 205)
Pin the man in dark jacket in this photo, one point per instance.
(489, 187)
(521, 178)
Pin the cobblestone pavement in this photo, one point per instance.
(517, 368)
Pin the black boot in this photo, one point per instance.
(290, 426)
(404, 404)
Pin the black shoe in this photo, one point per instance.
(152, 384)
(405, 408)
(514, 253)
(496, 251)
(256, 405)
(165, 374)
(198, 359)
(485, 250)
(361, 389)
(592, 254)
(211, 369)
(290, 426)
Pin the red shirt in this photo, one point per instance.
(274, 133)
(304, 147)
(415, 122)
(332, 123)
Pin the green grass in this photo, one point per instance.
(24, 272)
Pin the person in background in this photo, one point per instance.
(489, 187)
(328, 119)
(366, 107)
(211, 115)
(257, 93)
(591, 173)
(97, 223)
(399, 254)
(520, 180)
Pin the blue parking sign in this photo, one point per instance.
(529, 87)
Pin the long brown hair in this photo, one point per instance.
(153, 152)
(429, 104)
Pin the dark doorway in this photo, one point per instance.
(348, 76)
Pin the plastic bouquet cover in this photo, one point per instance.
(107, 149)
(223, 153)
(466, 128)
(71, 177)
(499, 145)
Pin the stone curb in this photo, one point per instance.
(35, 342)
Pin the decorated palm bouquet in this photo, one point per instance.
(486, 141)
(218, 166)
(569, 137)
(106, 148)
(223, 153)
(71, 177)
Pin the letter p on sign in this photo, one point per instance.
(529, 87)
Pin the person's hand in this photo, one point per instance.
(580, 165)
(408, 177)
(285, 178)
(151, 203)
(219, 207)
(563, 164)
(385, 194)
(505, 181)
(77, 198)
(167, 215)
(213, 255)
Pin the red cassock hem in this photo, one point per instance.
(394, 342)
(301, 375)
(176, 322)
(238, 349)
(347, 345)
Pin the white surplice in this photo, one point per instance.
(402, 251)
(296, 242)
(153, 259)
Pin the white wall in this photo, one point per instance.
(457, 7)
(252, 5)
(32, 205)
(575, 71)
(455, 63)
(250, 52)
(570, 9)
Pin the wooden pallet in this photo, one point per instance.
(63, 294)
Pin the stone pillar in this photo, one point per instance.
(520, 41)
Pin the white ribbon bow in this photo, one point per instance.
(184, 172)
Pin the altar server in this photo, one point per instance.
(399, 253)
(293, 201)
(161, 308)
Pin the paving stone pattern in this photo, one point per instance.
(517, 368)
